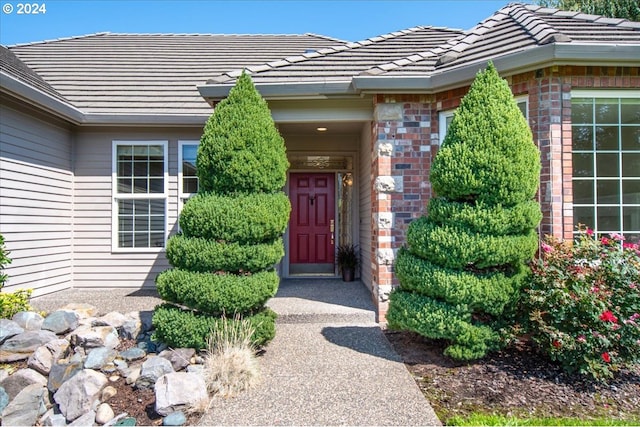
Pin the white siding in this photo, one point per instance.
(364, 174)
(96, 265)
(36, 186)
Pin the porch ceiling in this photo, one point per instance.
(333, 128)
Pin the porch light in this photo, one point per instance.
(321, 129)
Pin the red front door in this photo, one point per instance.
(311, 229)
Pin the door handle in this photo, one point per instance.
(311, 199)
(332, 227)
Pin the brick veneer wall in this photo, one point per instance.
(406, 138)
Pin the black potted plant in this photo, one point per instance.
(347, 258)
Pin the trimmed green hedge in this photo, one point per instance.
(247, 219)
(216, 294)
(182, 328)
(488, 293)
(434, 319)
(202, 255)
(481, 218)
(456, 248)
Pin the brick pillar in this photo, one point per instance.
(401, 160)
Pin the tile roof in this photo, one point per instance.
(150, 73)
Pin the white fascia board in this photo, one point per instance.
(40, 99)
(285, 90)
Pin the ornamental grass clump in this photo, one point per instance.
(465, 262)
(583, 303)
(224, 260)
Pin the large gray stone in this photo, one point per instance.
(87, 419)
(61, 372)
(92, 337)
(20, 379)
(133, 353)
(61, 321)
(4, 399)
(8, 329)
(76, 396)
(112, 318)
(177, 418)
(53, 420)
(29, 320)
(152, 369)
(97, 358)
(45, 356)
(179, 390)
(83, 310)
(178, 357)
(104, 413)
(27, 406)
(20, 347)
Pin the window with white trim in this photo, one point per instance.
(139, 176)
(445, 117)
(606, 161)
(187, 172)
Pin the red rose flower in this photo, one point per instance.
(604, 241)
(606, 357)
(608, 316)
(556, 344)
(589, 232)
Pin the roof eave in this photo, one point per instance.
(285, 90)
(154, 120)
(40, 99)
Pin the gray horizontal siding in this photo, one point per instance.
(36, 187)
(96, 265)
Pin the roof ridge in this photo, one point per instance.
(542, 32)
(619, 22)
(233, 74)
(59, 39)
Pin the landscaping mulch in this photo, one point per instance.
(513, 382)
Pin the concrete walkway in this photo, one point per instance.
(329, 364)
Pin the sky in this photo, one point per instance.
(342, 19)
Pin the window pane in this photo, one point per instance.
(140, 168)
(608, 219)
(156, 185)
(607, 164)
(141, 223)
(141, 240)
(125, 152)
(608, 192)
(124, 185)
(141, 151)
(157, 207)
(189, 152)
(631, 138)
(156, 152)
(583, 192)
(582, 137)
(630, 164)
(140, 185)
(631, 215)
(156, 223)
(581, 110)
(157, 240)
(125, 207)
(631, 191)
(190, 185)
(607, 138)
(156, 168)
(125, 240)
(607, 111)
(125, 223)
(582, 164)
(630, 111)
(124, 168)
(522, 105)
(584, 215)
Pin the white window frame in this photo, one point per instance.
(115, 196)
(444, 115)
(595, 94)
(182, 196)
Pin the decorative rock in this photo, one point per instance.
(113, 318)
(29, 320)
(196, 369)
(179, 390)
(179, 357)
(21, 346)
(92, 337)
(4, 373)
(145, 317)
(175, 419)
(147, 346)
(122, 366)
(8, 329)
(46, 355)
(133, 353)
(104, 413)
(4, 399)
(108, 393)
(75, 397)
(99, 357)
(129, 421)
(62, 372)
(83, 310)
(20, 379)
(133, 376)
(114, 378)
(54, 420)
(26, 407)
(87, 419)
(61, 321)
(198, 360)
(152, 369)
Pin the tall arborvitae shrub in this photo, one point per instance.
(464, 262)
(223, 262)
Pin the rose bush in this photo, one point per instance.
(583, 303)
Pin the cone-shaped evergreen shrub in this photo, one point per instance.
(464, 263)
(223, 262)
